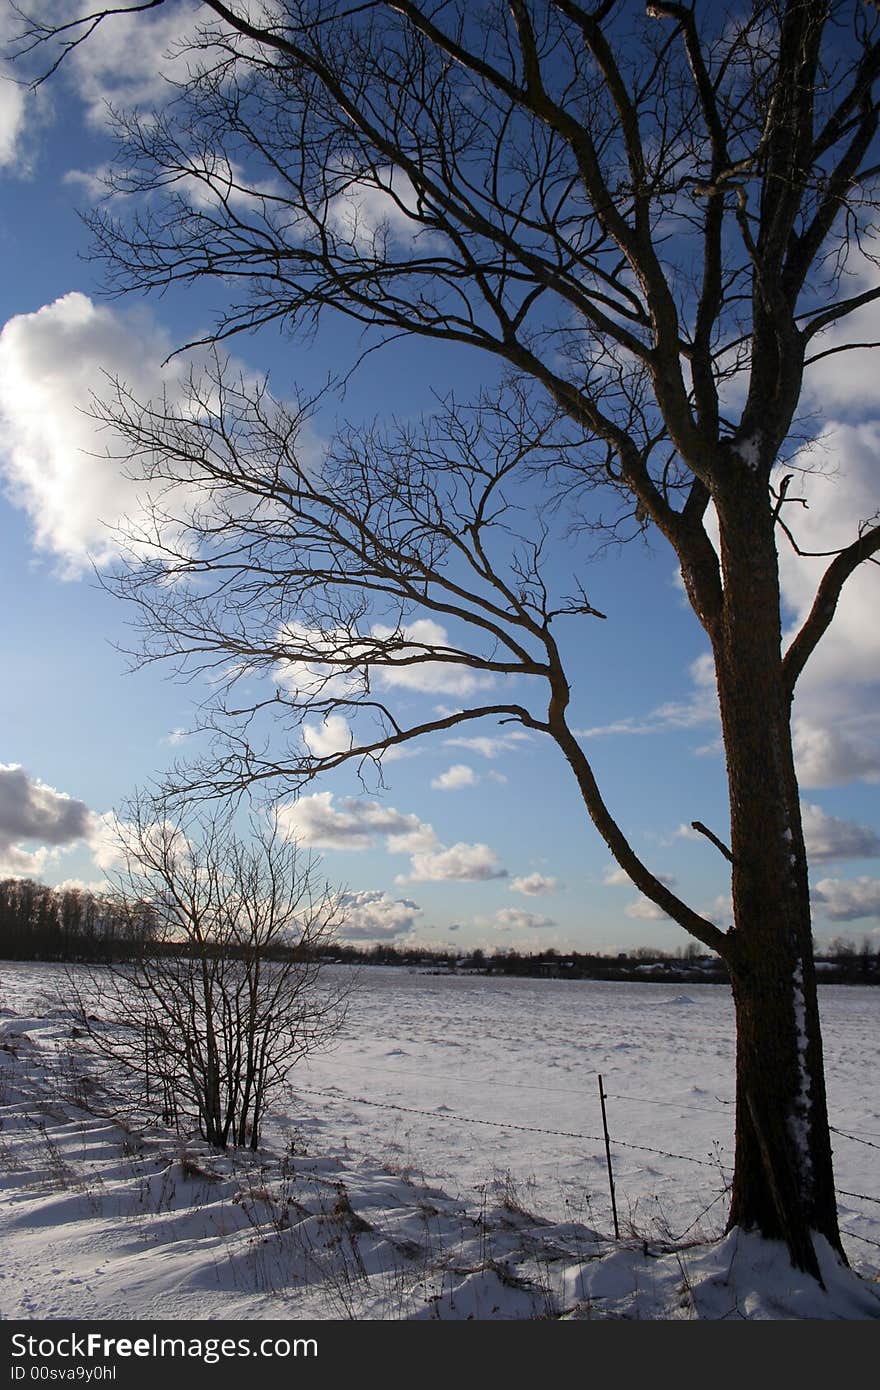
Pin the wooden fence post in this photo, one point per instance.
(608, 1161)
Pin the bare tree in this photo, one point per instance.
(646, 215)
(223, 995)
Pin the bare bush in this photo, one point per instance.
(223, 995)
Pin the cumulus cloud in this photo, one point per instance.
(357, 824)
(616, 877)
(840, 494)
(837, 701)
(311, 667)
(417, 639)
(644, 910)
(115, 843)
(830, 754)
(210, 183)
(845, 383)
(32, 811)
(534, 884)
(13, 109)
(60, 465)
(847, 899)
(94, 886)
(372, 213)
(332, 735)
(488, 747)
(459, 775)
(105, 843)
(128, 58)
(54, 457)
(354, 825)
(515, 919)
(372, 915)
(720, 910)
(830, 837)
(641, 908)
(474, 863)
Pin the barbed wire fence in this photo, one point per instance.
(446, 1116)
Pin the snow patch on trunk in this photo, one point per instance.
(749, 450)
(798, 1123)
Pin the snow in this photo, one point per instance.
(444, 1161)
(749, 450)
(797, 1121)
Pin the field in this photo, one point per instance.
(445, 1160)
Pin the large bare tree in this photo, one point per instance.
(644, 214)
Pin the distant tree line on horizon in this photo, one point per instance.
(62, 924)
(841, 962)
(73, 924)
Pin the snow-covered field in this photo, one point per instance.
(445, 1160)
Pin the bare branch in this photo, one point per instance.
(719, 844)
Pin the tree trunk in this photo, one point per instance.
(783, 1182)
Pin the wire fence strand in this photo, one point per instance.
(451, 1116)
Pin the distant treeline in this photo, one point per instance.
(841, 963)
(61, 924)
(73, 924)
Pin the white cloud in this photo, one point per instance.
(644, 910)
(845, 383)
(459, 775)
(829, 837)
(687, 832)
(461, 862)
(372, 213)
(489, 747)
(331, 736)
(312, 667)
(839, 497)
(95, 886)
(836, 723)
(617, 877)
(32, 811)
(374, 916)
(13, 109)
(829, 756)
(53, 455)
(211, 182)
(534, 884)
(356, 824)
(837, 701)
(115, 843)
(128, 58)
(846, 900)
(105, 843)
(514, 919)
(422, 637)
(305, 674)
(720, 910)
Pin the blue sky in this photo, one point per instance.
(483, 842)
